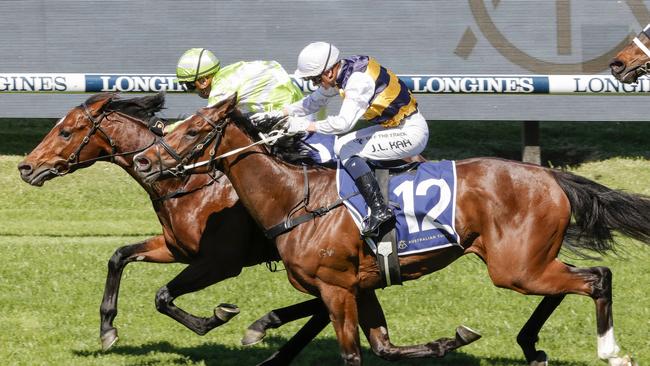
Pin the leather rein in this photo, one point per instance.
(216, 134)
(153, 124)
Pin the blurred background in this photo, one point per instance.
(408, 36)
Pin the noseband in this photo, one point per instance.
(73, 159)
(643, 69)
(215, 134)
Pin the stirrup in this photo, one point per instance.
(380, 219)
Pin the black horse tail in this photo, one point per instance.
(598, 211)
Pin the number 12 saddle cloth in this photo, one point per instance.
(424, 202)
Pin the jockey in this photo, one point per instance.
(260, 85)
(368, 89)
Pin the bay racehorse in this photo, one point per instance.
(217, 240)
(203, 224)
(633, 60)
(516, 217)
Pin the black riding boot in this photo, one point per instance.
(379, 210)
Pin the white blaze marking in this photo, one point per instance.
(61, 120)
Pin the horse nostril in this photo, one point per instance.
(142, 164)
(25, 169)
(617, 66)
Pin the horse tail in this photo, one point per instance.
(598, 211)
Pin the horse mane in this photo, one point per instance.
(141, 108)
(290, 149)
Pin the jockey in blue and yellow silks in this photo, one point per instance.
(391, 102)
(370, 91)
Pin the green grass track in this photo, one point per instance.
(55, 242)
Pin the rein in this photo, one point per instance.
(183, 168)
(216, 134)
(154, 125)
(73, 159)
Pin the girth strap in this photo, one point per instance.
(289, 224)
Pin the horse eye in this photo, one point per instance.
(192, 133)
(65, 134)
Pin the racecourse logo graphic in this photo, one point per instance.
(131, 83)
(490, 25)
(459, 84)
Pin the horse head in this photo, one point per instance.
(197, 138)
(633, 60)
(89, 132)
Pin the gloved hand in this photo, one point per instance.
(295, 125)
(260, 117)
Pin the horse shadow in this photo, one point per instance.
(318, 352)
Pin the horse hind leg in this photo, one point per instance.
(557, 279)
(608, 349)
(151, 250)
(373, 323)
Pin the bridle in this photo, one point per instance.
(73, 159)
(183, 168)
(645, 68)
(215, 134)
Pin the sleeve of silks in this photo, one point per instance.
(311, 103)
(357, 93)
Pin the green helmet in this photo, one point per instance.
(196, 63)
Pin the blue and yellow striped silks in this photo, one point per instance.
(392, 100)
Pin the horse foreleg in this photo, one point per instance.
(373, 324)
(341, 304)
(150, 250)
(196, 276)
(300, 340)
(529, 333)
(278, 317)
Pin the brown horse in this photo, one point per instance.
(514, 216)
(217, 240)
(633, 60)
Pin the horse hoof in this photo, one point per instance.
(622, 361)
(226, 312)
(109, 339)
(252, 337)
(540, 360)
(466, 335)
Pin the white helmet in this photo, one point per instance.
(314, 59)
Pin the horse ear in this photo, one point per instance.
(99, 101)
(227, 105)
(231, 103)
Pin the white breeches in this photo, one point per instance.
(381, 143)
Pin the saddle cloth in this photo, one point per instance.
(424, 202)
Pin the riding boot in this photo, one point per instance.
(379, 210)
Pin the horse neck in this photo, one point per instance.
(268, 187)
